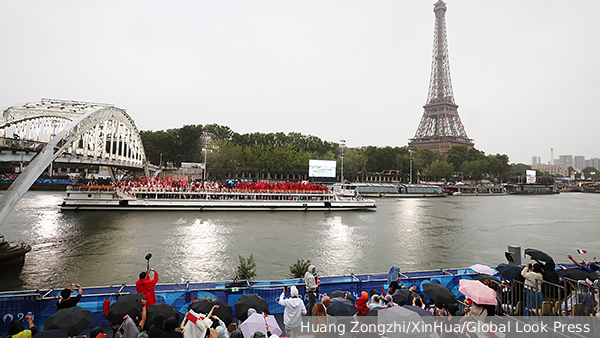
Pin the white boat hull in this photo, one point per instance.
(108, 201)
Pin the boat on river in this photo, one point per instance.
(532, 189)
(223, 199)
(400, 190)
(12, 254)
(477, 190)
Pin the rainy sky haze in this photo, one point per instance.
(525, 73)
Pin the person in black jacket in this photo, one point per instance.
(157, 327)
(65, 300)
(170, 326)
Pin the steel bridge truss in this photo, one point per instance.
(96, 131)
(86, 132)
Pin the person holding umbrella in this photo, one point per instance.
(294, 308)
(533, 282)
(194, 325)
(17, 330)
(145, 285)
(259, 334)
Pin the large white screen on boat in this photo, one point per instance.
(321, 168)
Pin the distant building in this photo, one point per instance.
(536, 160)
(578, 162)
(566, 160)
(595, 162)
(556, 170)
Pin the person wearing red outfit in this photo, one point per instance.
(145, 286)
(361, 304)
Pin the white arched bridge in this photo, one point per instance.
(66, 132)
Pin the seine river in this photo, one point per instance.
(108, 248)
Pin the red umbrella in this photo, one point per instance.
(478, 292)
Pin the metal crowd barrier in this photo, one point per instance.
(569, 298)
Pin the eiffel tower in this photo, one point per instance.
(440, 128)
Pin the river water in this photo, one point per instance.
(108, 248)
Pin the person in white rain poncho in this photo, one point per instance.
(194, 325)
(294, 308)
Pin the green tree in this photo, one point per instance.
(591, 172)
(474, 170)
(219, 132)
(354, 161)
(457, 155)
(298, 269)
(246, 269)
(498, 167)
(441, 170)
(422, 159)
(223, 157)
(157, 143)
(518, 172)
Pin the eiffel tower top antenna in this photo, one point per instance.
(440, 84)
(440, 128)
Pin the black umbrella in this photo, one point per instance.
(578, 274)
(75, 319)
(205, 304)
(422, 312)
(439, 293)
(250, 301)
(165, 309)
(483, 278)
(341, 294)
(56, 333)
(341, 307)
(126, 305)
(403, 296)
(510, 271)
(374, 311)
(539, 255)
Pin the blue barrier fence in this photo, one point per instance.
(14, 305)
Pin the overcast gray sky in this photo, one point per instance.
(525, 73)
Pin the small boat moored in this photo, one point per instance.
(400, 190)
(12, 254)
(478, 190)
(532, 189)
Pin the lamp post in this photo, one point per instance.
(207, 139)
(410, 151)
(204, 171)
(342, 144)
(160, 166)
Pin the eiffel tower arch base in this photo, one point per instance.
(440, 144)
